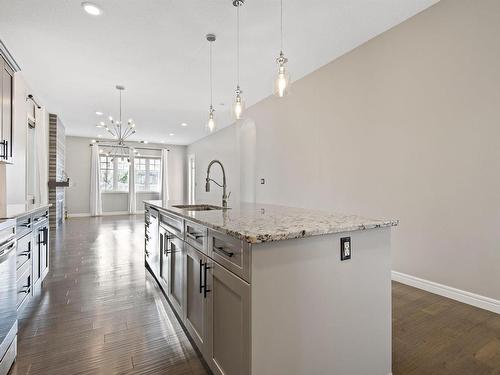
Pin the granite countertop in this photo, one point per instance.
(256, 223)
(15, 210)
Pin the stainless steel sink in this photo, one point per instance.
(198, 207)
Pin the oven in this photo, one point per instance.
(8, 295)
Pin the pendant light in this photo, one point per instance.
(211, 122)
(239, 104)
(282, 84)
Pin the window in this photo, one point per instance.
(147, 174)
(114, 174)
(106, 173)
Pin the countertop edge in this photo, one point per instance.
(26, 211)
(251, 239)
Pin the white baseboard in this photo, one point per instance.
(78, 215)
(114, 213)
(469, 298)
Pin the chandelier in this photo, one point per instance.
(119, 131)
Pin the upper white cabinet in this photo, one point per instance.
(6, 111)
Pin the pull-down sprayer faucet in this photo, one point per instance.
(223, 186)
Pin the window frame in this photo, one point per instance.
(114, 169)
(147, 177)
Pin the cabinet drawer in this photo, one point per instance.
(24, 250)
(232, 253)
(173, 224)
(24, 225)
(40, 217)
(24, 284)
(196, 235)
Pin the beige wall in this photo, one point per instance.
(406, 126)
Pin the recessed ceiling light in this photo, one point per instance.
(99, 136)
(98, 113)
(93, 141)
(144, 141)
(184, 124)
(171, 134)
(91, 8)
(162, 141)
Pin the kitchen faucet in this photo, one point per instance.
(223, 186)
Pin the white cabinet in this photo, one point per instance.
(228, 317)
(6, 111)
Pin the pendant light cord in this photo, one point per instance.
(281, 23)
(238, 45)
(120, 125)
(211, 94)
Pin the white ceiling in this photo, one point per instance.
(158, 50)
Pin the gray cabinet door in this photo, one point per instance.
(164, 262)
(228, 314)
(44, 250)
(195, 303)
(37, 237)
(176, 272)
(153, 245)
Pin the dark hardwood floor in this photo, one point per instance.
(437, 335)
(100, 313)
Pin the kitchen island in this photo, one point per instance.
(265, 289)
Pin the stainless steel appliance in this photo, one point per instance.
(8, 295)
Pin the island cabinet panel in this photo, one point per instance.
(23, 226)
(230, 252)
(175, 257)
(24, 250)
(228, 316)
(41, 247)
(152, 244)
(195, 303)
(164, 268)
(196, 236)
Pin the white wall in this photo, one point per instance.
(78, 170)
(406, 126)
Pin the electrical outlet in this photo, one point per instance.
(262, 181)
(345, 248)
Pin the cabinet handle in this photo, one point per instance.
(195, 236)
(44, 236)
(205, 287)
(26, 289)
(4, 149)
(201, 274)
(225, 252)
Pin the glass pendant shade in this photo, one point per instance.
(211, 126)
(283, 83)
(239, 105)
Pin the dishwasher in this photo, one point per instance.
(8, 295)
